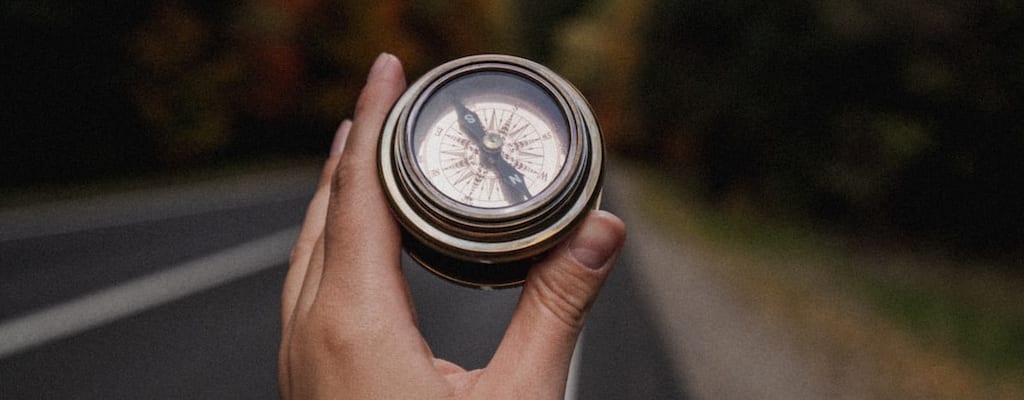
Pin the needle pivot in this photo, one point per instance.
(492, 142)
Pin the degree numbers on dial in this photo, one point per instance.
(453, 162)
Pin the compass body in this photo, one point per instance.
(487, 162)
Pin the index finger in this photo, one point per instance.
(362, 239)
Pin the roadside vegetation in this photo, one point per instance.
(899, 323)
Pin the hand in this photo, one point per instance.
(349, 329)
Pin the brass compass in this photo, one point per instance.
(487, 162)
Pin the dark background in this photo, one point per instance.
(862, 116)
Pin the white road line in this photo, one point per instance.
(572, 384)
(135, 296)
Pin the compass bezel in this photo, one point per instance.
(442, 202)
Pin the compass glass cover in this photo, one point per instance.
(490, 139)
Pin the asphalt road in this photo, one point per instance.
(158, 294)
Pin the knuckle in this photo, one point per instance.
(320, 330)
(348, 187)
(341, 178)
(329, 331)
(362, 105)
(563, 295)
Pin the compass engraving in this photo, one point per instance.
(491, 154)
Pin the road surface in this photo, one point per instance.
(174, 293)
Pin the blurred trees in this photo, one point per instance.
(120, 88)
(273, 76)
(872, 115)
(600, 50)
(883, 117)
(62, 74)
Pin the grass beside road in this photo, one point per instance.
(886, 321)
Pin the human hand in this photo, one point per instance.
(349, 329)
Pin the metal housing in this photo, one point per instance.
(489, 247)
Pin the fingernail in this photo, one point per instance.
(340, 136)
(593, 245)
(378, 65)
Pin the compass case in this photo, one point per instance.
(488, 162)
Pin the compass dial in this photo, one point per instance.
(456, 163)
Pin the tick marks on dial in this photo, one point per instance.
(490, 154)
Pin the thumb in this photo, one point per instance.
(534, 355)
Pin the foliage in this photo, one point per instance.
(868, 114)
(119, 88)
(884, 321)
(62, 76)
(278, 74)
(880, 117)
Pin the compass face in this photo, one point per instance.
(455, 163)
(490, 149)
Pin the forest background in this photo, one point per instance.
(882, 118)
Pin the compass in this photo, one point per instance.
(488, 162)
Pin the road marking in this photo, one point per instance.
(573, 382)
(138, 295)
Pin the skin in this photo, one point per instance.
(349, 328)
